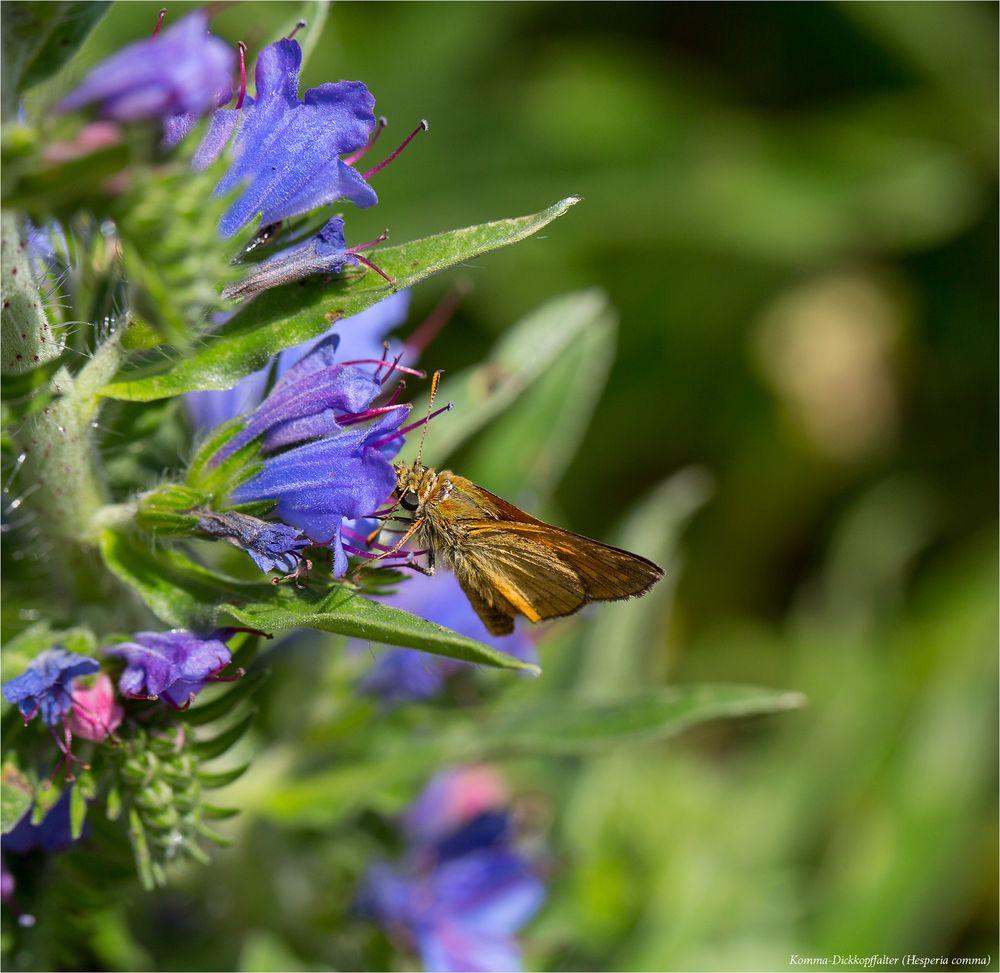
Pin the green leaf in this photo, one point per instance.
(222, 778)
(619, 644)
(525, 353)
(218, 745)
(573, 725)
(185, 594)
(286, 316)
(165, 510)
(225, 702)
(16, 796)
(38, 38)
(78, 809)
(565, 726)
(524, 453)
(346, 612)
(179, 591)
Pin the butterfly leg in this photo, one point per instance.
(395, 549)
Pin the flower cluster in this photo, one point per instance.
(290, 156)
(171, 665)
(465, 888)
(327, 446)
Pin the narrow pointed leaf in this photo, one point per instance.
(207, 749)
(287, 316)
(346, 612)
(572, 725)
(525, 353)
(212, 781)
(225, 702)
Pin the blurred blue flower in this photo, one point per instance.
(46, 685)
(53, 834)
(321, 484)
(400, 675)
(183, 70)
(361, 337)
(289, 150)
(272, 546)
(462, 894)
(172, 665)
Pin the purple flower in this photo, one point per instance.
(53, 834)
(400, 675)
(174, 665)
(288, 150)
(182, 71)
(272, 546)
(312, 399)
(321, 484)
(462, 894)
(361, 338)
(326, 252)
(46, 685)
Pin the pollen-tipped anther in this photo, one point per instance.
(159, 23)
(422, 127)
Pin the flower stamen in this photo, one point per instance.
(376, 132)
(422, 127)
(413, 425)
(242, 48)
(159, 24)
(298, 26)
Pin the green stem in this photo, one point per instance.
(61, 455)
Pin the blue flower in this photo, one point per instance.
(182, 71)
(400, 675)
(172, 665)
(462, 895)
(361, 338)
(289, 150)
(46, 685)
(321, 484)
(272, 546)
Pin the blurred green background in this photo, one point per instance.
(793, 209)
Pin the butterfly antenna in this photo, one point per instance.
(435, 384)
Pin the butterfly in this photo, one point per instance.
(507, 562)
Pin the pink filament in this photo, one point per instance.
(351, 159)
(243, 74)
(159, 23)
(413, 425)
(422, 127)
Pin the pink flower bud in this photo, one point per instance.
(95, 714)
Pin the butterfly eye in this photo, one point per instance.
(410, 501)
